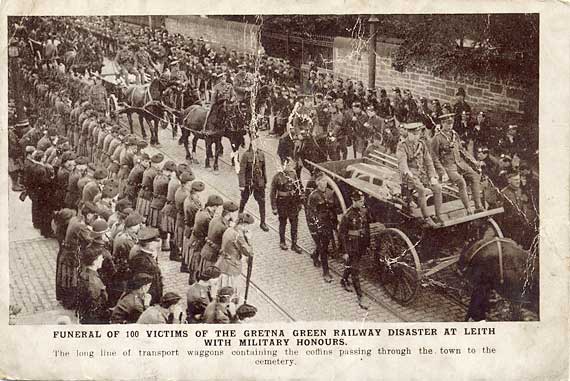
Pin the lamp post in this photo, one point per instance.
(373, 21)
(14, 56)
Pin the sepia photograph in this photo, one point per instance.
(273, 168)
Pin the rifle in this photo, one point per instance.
(248, 277)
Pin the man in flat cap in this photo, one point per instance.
(417, 170)
(143, 259)
(168, 311)
(354, 235)
(199, 235)
(134, 301)
(450, 160)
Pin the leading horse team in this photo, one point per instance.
(245, 94)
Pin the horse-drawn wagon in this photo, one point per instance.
(406, 251)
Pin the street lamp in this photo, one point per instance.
(373, 22)
(14, 55)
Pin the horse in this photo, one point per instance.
(146, 102)
(230, 123)
(500, 264)
(311, 148)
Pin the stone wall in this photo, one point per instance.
(217, 32)
(351, 61)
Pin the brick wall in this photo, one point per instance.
(231, 34)
(351, 61)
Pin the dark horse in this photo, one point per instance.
(229, 122)
(146, 101)
(492, 263)
(310, 148)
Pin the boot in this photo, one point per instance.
(344, 284)
(262, 225)
(362, 303)
(283, 245)
(296, 248)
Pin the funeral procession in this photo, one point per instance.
(266, 168)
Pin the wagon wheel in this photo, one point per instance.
(400, 268)
(492, 229)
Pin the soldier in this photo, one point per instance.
(176, 74)
(67, 166)
(191, 205)
(242, 85)
(338, 131)
(323, 114)
(92, 307)
(122, 246)
(98, 95)
(39, 184)
(222, 92)
(72, 197)
(77, 237)
(143, 63)
(135, 178)
(169, 212)
(167, 312)
(384, 106)
(236, 243)
(134, 301)
(160, 191)
(417, 170)
(211, 250)
(143, 259)
(199, 294)
(354, 235)
(199, 235)
(126, 60)
(285, 195)
(146, 193)
(322, 211)
(459, 107)
(357, 122)
(446, 153)
(412, 114)
(93, 188)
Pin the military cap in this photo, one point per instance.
(123, 131)
(370, 107)
(198, 186)
(169, 299)
(505, 157)
(169, 166)
(214, 200)
(412, 126)
(30, 149)
(371, 90)
(144, 156)
(226, 291)
(319, 95)
(483, 150)
(448, 116)
(140, 279)
(396, 90)
(142, 144)
(356, 104)
(157, 158)
(245, 218)
(183, 167)
(132, 141)
(90, 254)
(99, 226)
(329, 97)
(513, 126)
(148, 233)
(460, 91)
(67, 156)
(211, 272)
(100, 174)
(122, 204)
(185, 177)
(133, 219)
(511, 173)
(246, 311)
(230, 206)
(356, 195)
(407, 91)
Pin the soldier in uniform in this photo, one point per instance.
(190, 207)
(446, 154)
(252, 179)
(92, 307)
(143, 259)
(126, 161)
(412, 114)
(143, 63)
(399, 110)
(98, 95)
(67, 166)
(459, 107)
(134, 301)
(160, 191)
(135, 178)
(122, 245)
(72, 197)
(199, 294)
(322, 211)
(93, 188)
(339, 132)
(126, 60)
(417, 170)
(169, 212)
(357, 120)
(236, 244)
(199, 235)
(177, 74)
(354, 235)
(222, 92)
(146, 193)
(285, 195)
(242, 85)
(211, 250)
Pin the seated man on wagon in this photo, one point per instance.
(418, 171)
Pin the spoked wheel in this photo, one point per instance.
(490, 229)
(400, 267)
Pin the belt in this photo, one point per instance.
(212, 244)
(285, 194)
(355, 233)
